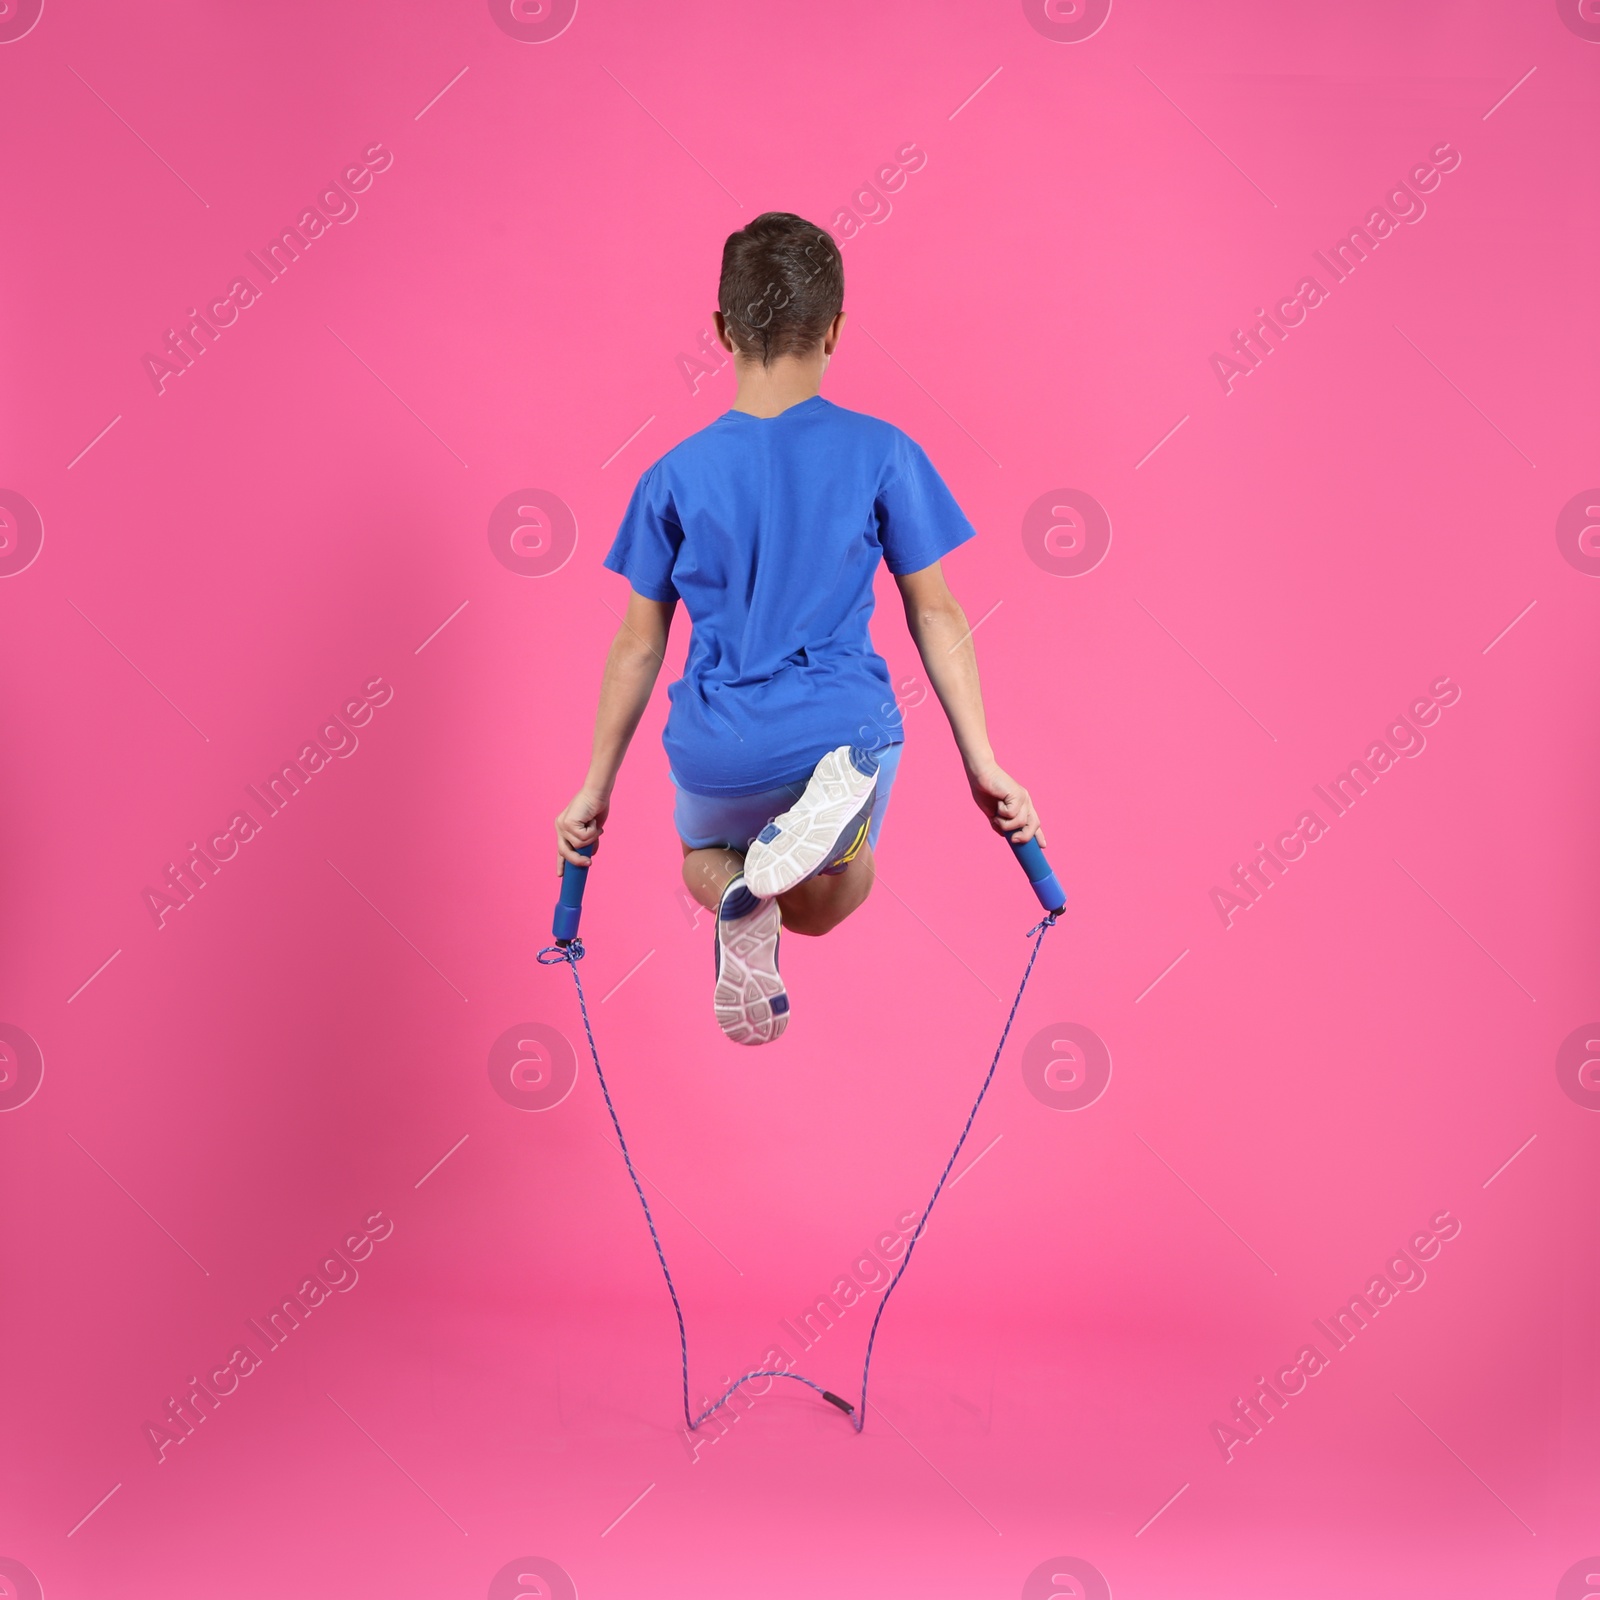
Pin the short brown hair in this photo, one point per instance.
(782, 284)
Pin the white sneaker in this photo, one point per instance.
(751, 1003)
(823, 829)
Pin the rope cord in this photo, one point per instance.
(570, 955)
(1037, 932)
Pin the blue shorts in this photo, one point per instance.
(732, 821)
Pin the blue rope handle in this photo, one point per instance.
(571, 952)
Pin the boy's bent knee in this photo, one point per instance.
(811, 921)
(820, 904)
(814, 922)
(707, 872)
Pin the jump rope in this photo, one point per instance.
(568, 949)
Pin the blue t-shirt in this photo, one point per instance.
(769, 529)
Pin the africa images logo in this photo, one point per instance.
(533, 21)
(1582, 17)
(1578, 531)
(21, 1072)
(533, 1066)
(1401, 737)
(336, 203)
(1066, 532)
(533, 532)
(1067, 21)
(1578, 1066)
(199, 1398)
(1066, 1578)
(1066, 1066)
(21, 530)
(1265, 1402)
(335, 739)
(1401, 203)
(17, 19)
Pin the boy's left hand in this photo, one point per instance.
(1006, 804)
(580, 824)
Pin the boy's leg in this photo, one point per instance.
(706, 873)
(824, 825)
(814, 907)
(820, 904)
(751, 1003)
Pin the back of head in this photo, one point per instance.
(782, 284)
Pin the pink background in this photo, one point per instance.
(308, 507)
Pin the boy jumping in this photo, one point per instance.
(783, 736)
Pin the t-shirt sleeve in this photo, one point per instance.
(919, 521)
(647, 542)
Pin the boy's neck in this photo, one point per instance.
(765, 391)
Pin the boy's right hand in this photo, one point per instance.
(1006, 804)
(581, 824)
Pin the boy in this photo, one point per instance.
(783, 734)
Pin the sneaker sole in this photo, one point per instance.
(801, 840)
(751, 1003)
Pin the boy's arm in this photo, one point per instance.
(630, 675)
(944, 641)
